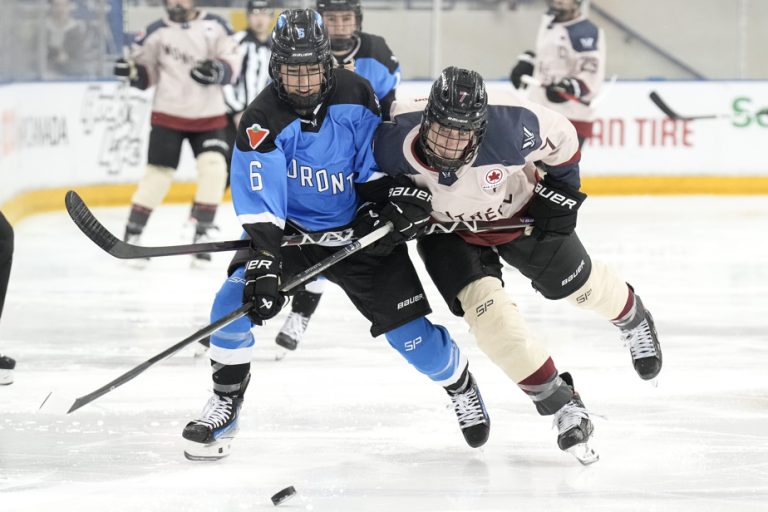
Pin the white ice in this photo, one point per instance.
(354, 428)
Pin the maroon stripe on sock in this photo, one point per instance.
(542, 375)
(627, 306)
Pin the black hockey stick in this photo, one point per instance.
(223, 322)
(656, 99)
(95, 230)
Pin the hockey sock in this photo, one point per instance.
(229, 379)
(305, 303)
(547, 389)
(137, 219)
(629, 312)
(203, 214)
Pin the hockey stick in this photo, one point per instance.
(223, 322)
(664, 107)
(529, 80)
(93, 229)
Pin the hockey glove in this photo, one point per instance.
(408, 209)
(210, 72)
(559, 92)
(554, 208)
(524, 67)
(125, 69)
(262, 286)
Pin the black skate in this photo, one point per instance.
(470, 410)
(574, 428)
(7, 365)
(292, 331)
(201, 236)
(639, 335)
(210, 436)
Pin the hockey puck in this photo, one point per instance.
(284, 495)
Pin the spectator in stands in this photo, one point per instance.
(65, 40)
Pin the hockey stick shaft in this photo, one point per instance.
(664, 107)
(231, 317)
(93, 229)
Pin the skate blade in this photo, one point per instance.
(654, 382)
(280, 354)
(584, 453)
(208, 452)
(6, 377)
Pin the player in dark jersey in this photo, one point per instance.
(369, 56)
(303, 157)
(6, 257)
(476, 154)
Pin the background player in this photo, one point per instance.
(303, 157)
(187, 56)
(369, 56)
(6, 258)
(476, 155)
(569, 62)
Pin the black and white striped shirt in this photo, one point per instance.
(254, 75)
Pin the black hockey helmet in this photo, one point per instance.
(177, 12)
(347, 43)
(259, 5)
(300, 38)
(457, 101)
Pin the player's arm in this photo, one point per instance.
(556, 197)
(224, 66)
(259, 194)
(141, 67)
(587, 68)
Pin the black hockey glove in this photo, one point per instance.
(554, 208)
(570, 86)
(125, 68)
(524, 67)
(408, 209)
(210, 72)
(262, 286)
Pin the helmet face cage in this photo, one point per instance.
(454, 122)
(326, 6)
(301, 59)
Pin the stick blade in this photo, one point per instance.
(656, 99)
(57, 403)
(88, 224)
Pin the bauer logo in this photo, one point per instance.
(408, 302)
(256, 135)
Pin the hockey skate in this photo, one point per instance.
(6, 370)
(574, 428)
(638, 333)
(292, 331)
(201, 236)
(470, 410)
(210, 437)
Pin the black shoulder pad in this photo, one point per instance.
(353, 89)
(263, 121)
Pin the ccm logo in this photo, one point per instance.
(553, 196)
(410, 192)
(257, 264)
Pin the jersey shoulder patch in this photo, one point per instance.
(256, 135)
(513, 132)
(263, 121)
(584, 36)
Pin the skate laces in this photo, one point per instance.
(295, 325)
(569, 416)
(639, 340)
(468, 408)
(217, 411)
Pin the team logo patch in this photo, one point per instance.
(494, 178)
(256, 135)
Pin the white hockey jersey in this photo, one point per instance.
(166, 54)
(498, 183)
(572, 49)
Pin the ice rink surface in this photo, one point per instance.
(350, 424)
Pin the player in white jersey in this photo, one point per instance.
(498, 157)
(187, 57)
(568, 64)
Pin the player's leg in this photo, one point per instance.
(470, 282)
(387, 291)
(211, 150)
(6, 257)
(303, 306)
(162, 160)
(209, 436)
(560, 267)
